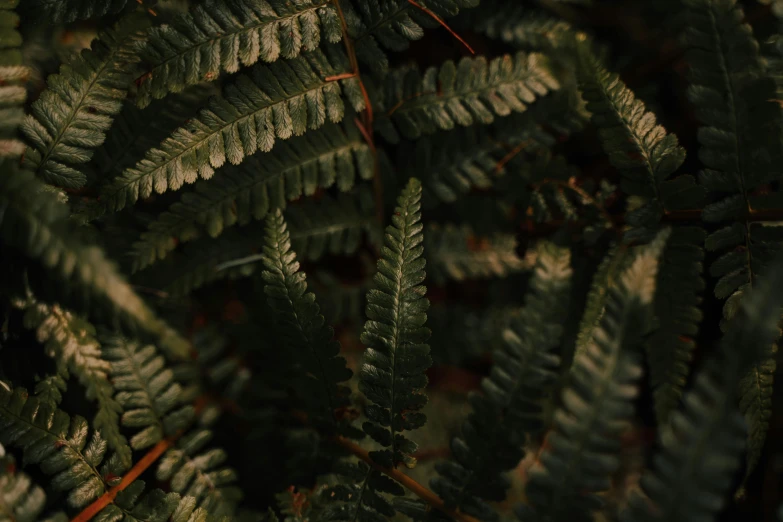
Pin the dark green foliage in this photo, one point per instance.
(391, 24)
(333, 155)
(65, 11)
(224, 35)
(281, 100)
(146, 389)
(35, 223)
(735, 99)
(13, 75)
(392, 374)
(598, 404)
(509, 409)
(71, 341)
(302, 327)
(71, 118)
(469, 92)
(186, 163)
(703, 444)
(61, 445)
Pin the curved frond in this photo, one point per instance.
(642, 151)
(13, 76)
(332, 155)
(59, 444)
(77, 274)
(71, 341)
(583, 448)
(20, 499)
(200, 474)
(67, 11)
(376, 25)
(457, 253)
(280, 100)
(135, 131)
(521, 25)
(741, 147)
(302, 328)
(492, 439)
(224, 35)
(71, 118)
(146, 389)
(392, 375)
(703, 445)
(471, 91)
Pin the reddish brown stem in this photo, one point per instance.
(343, 76)
(444, 24)
(411, 485)
(140, 467)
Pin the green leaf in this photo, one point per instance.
(584, 447)
(471, 91)
(510, 408)
(71, 118)
(302, 330)
(225, 35)
(13, 76)
(735, 98)
(71, 341)
(457, 253)
(281, 100)
(66, 269)
(392, 375)
(67, 11)
(150, 398)
(391, 24)
(320, 159)
(703, 445)
(21, 500)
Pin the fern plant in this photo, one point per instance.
(340, 260)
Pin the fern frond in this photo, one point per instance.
(67, 11)
(59, 444)
(280, 100)
(302, 328)
(333, 225)
(20, 499)
(472, 91)
(451, 163)
(34, 222)
(492, 438)
(640, 148)
(678, 312)
(71, 118)
(392, 375)
(71, 341)
(741, 148)
(332, 155)
(457, 253)
(225, 35)
(357, 496)
(391, 24)
(135, 131)
(146, 390)
(703, 446)
(13, 76)
(193, 472)
(584, 447)
(521, 26)
(50, 389)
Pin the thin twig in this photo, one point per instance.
(367, 126)
(342, 76)
(511, 155)
(411, 485)
(444, 24)
(140, 467)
